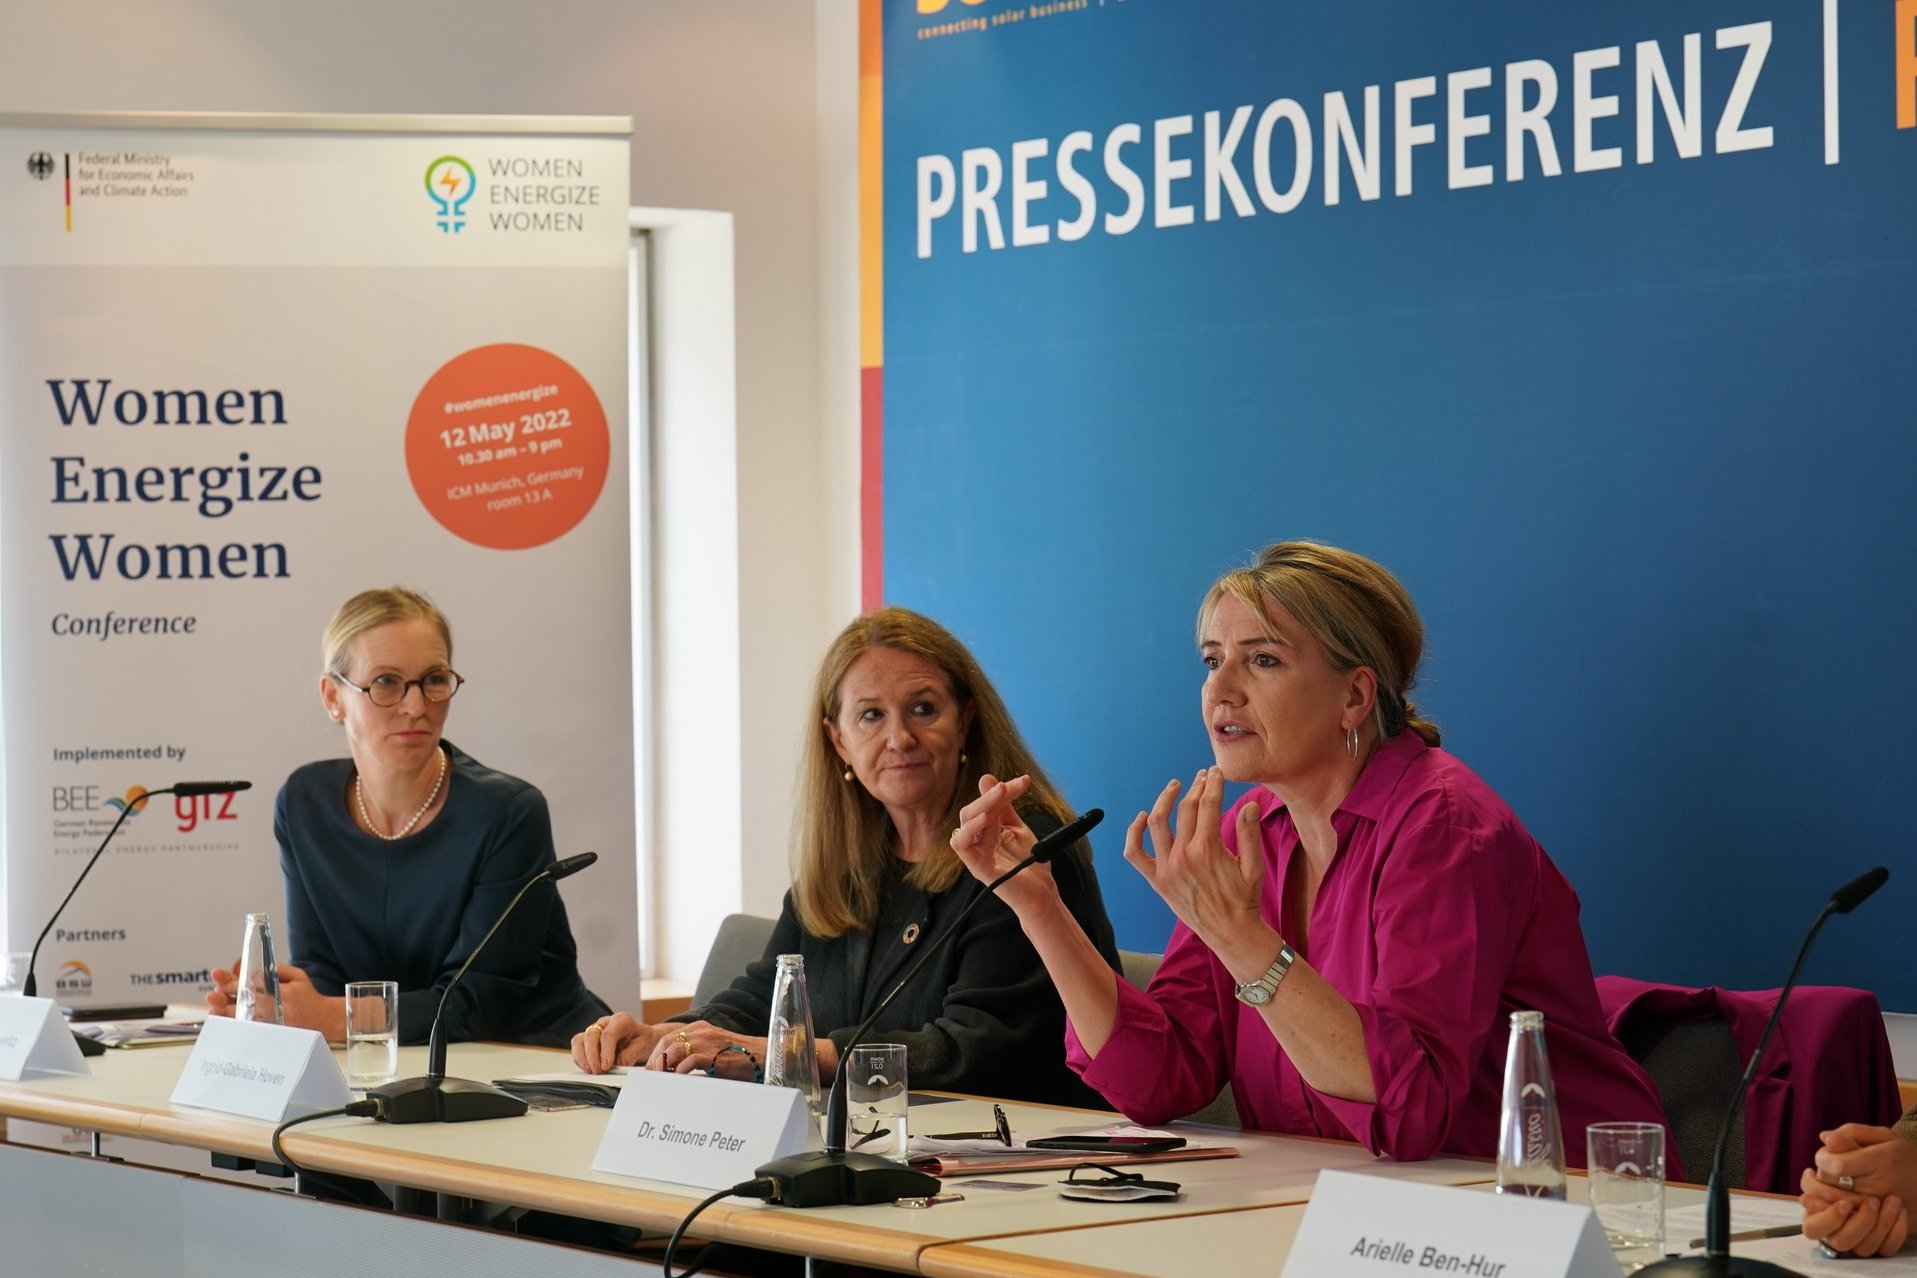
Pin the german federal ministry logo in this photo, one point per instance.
(40, 164)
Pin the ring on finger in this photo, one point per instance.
(1847, 1182)
(684, 1041)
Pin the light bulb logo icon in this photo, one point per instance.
(450, 183)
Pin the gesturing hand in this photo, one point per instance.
(992, 838)
(1212, 891)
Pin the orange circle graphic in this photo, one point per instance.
(507, 446)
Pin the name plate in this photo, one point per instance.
(687, 1129)
(35, 1041)
(260, 1070)
(1372, 1225)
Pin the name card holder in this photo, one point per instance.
(1371, 1225)
(35, 1041)
(259, 1070)
(687, 1129)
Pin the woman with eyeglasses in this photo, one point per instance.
(399, 857)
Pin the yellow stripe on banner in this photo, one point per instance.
(871, 189)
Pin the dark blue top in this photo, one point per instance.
(360, 908)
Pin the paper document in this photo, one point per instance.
(143, 1033)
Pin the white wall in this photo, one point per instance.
(741, 106)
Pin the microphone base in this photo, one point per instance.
(824, 1179)
(443, 1100)
(1716, 1267)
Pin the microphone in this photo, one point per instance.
(1717, 1260)
(1858, 890)
(192, 788)
(833, 1177)
(434, 1098)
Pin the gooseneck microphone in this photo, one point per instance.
(435, 1098)
(1717, 1260)
(189, 789)
(833, 1177)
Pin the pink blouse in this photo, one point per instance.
(1438, 917)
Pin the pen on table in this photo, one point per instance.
(1752, 1235)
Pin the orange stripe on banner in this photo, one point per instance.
(871, 306)
(871, 488)
(871, 188)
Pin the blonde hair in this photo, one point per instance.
(370, 609)
(842, 839)
(1354, 608)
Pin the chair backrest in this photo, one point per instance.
(1138, 968)
(1696, 1067)
(1829, 1064)
(741, 938)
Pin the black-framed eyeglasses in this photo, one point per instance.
(1002, 1134)
(387, 690)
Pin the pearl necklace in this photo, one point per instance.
(359, 796)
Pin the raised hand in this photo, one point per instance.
(1214, 892)
(991, 838)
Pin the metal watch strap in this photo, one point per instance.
(1259, 992)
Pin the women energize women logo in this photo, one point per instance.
(450, 181)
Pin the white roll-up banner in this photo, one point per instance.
(250, 366)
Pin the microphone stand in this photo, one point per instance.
(833, 1176)
(31, 986)
(1717, 1261)
(435, 1098)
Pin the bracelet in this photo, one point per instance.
(758, 1070)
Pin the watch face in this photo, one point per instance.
(1255, 994)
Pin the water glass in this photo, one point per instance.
(1626, 1164)
(875, 1100)
(372, 1033)
(259, 974)
(13, 977)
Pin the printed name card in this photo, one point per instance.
(1371, 1225)
(260, 1070)
(35, 1041)
(687, 1129)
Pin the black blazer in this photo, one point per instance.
(984, 1018)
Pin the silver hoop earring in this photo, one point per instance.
(1351, 742)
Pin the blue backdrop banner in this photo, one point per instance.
(1593, 322)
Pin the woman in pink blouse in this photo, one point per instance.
(1354, 977)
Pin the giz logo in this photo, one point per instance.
(937, 6)
(195, 808)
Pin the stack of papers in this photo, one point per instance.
(154, 1033)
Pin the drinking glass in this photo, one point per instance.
(372, 1033)
(1626, 1165)
(13, 977)
(259, 974)
(875, 1100)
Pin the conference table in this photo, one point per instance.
(1236, 1213)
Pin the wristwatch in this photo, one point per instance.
(1259, 992)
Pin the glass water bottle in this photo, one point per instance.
(792, 1058)
(259, 974)
(1530, 1142)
